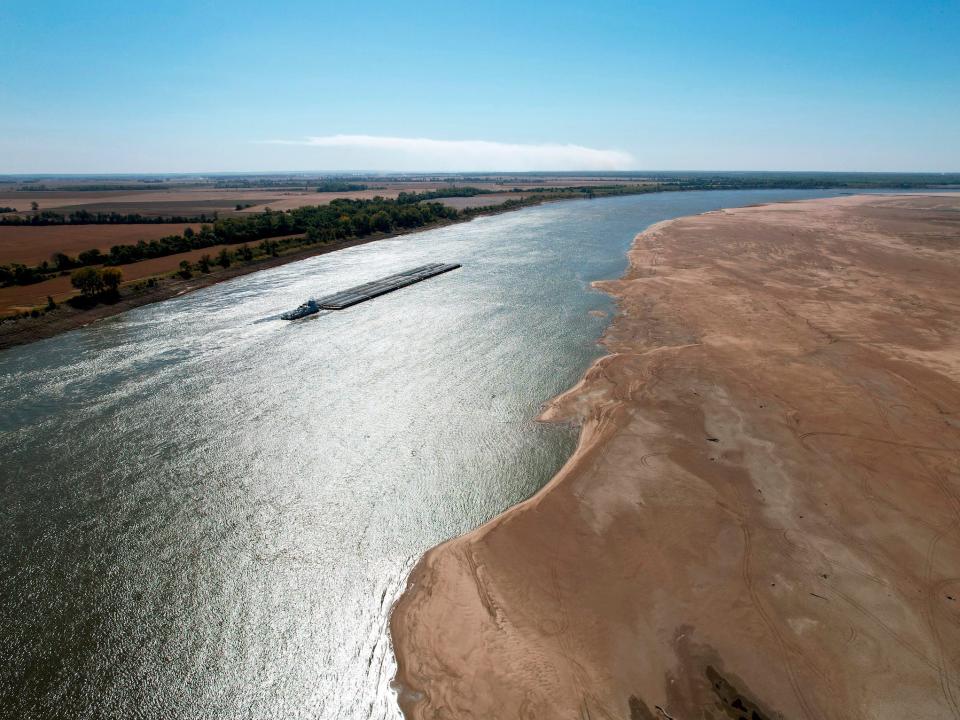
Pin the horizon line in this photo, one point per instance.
(454, 173)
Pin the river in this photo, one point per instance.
(208, 512)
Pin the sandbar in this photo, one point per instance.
(762, 518)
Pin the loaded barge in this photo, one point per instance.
(370, 290)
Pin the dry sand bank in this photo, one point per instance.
(762, 519)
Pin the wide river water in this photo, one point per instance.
(208, 512)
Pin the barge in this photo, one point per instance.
(360, 293)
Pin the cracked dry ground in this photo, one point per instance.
(763, 517)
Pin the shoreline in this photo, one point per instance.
(35, 329)
(566, 408)
(23, 331)
(561, 409)
(686, 487)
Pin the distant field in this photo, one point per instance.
(189, 201)
(291, 201)
(33, 245)
(480, 200)
(150, 203)
(207, 200)
(166, 209)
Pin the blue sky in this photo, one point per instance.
(243, 86)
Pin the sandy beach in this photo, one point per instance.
(762, 518)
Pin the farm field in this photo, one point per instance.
(32, 245)
(146, 202)
(191, 199)
(292, 200)
(481, 200)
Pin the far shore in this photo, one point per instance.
(65, 318)
(24, 330)
(21, 331)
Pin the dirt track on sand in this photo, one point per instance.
(762, 519)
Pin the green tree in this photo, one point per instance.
(91, 257)
(246, 253)
(34, 206)
(185, 270)
(268, 247)
(223, 259)
(204, 263)
(87, 280)
(380, 221)
(23, 275)
(111, 278)
(62, 262)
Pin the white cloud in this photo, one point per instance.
(367, 152)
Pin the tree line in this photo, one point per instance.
(405, 198)
(340, 219)
(85, 217)
(339, 186)
(93, 281)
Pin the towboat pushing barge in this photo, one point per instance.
(368, 291)
(310, 307)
